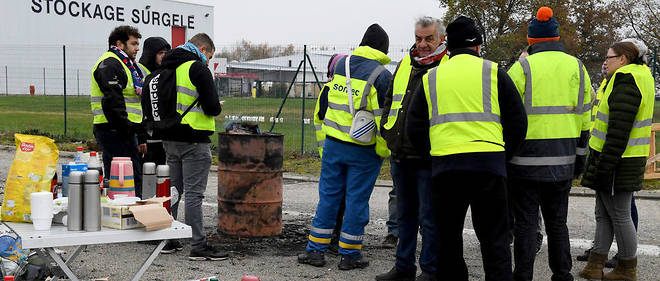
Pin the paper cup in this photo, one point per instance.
(41, 223)
(41, 205)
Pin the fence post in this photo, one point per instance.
(64, 73)
(302, 135)
(78, 78)
(44, 81)
(6, 81)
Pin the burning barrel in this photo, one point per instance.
(250, 184)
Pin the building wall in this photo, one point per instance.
(34, 31)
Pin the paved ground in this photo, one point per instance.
(274, 258)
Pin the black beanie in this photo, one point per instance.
(463, 33)
(377, 38)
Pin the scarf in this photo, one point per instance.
(193, 49)
(433, 57)
(132, 66)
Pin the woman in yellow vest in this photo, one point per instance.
(619, 146)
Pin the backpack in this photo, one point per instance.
(159, 101)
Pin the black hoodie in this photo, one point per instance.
(202, 79)
(152, 46)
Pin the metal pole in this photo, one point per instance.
(64, 73)
(6, 85)
(44, 81)
(318, 83)
(286, 95)
(302, 127)
(78, 78)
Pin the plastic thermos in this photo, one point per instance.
(75, 212)
(148, 180)
(163, 186)
(92, 202)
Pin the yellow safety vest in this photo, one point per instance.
(143, 69)
(555, 91)
(599, 97)
(640, 136)
(131, 99)
(338, 117)
(464, 117)
(186, 94)
(318, 123)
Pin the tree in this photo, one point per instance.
(246, 51)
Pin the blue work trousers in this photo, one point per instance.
(351, 170)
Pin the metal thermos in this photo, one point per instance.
(163, 186)
(92, 203)
(148, 180)
(75, 212)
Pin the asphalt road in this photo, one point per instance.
(275, 258)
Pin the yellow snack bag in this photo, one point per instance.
(34, 165)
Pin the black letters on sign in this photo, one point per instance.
(36, 6)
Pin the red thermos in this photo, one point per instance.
(163, 184)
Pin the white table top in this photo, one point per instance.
(59, 236)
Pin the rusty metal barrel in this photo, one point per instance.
(250, 184)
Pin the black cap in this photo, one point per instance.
(463, 33)
(377, 38)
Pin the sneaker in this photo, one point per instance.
(315, 258)
(611, 263)
(584, 256)
(539, 242)
(395, 275)
(425, 277)
(348, 263)
(207, 253)
(172, 246)
(390, 241)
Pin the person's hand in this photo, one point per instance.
(142, 148)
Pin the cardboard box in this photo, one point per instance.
(149, 213)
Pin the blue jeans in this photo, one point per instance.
(413, 192)
(113, 145)
(351, 171)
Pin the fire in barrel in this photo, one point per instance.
(250, 184)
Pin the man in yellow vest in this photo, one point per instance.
(115, 101)
(353, 152)
(555, 88)
(411, 171)
(152, 56)
(188, 145)
(468, 116)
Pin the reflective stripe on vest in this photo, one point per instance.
(639, 139)
(462, 126)
(186, 93)
(131, 99)
(399, 90)
(599, 96)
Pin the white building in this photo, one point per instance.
(33, 33)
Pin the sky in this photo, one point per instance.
(337, 22)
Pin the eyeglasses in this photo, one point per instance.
(609, 57)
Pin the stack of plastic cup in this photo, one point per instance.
(41, 208)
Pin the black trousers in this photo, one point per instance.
(527, 196)
(486, 195)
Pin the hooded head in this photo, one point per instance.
(543, 28)
(463, 33)
(151, 49)
(375, 37)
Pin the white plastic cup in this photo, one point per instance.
(42, 223)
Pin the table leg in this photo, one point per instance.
(71, 257)
(149, 260)
(62, 264)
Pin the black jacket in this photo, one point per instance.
(396, 137)
(112, 79)
(512, 118)
(201, 77)
(608, 171)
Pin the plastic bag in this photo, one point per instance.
(34, 165)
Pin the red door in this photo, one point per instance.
(178, 36)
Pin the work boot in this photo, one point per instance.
(625, 270)
(315, 258)
(425, 277)
(207, 253)
(594, 268)
(396, 275)
(611, 263)
(390, 241)
(584, 256)
(348, 263)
